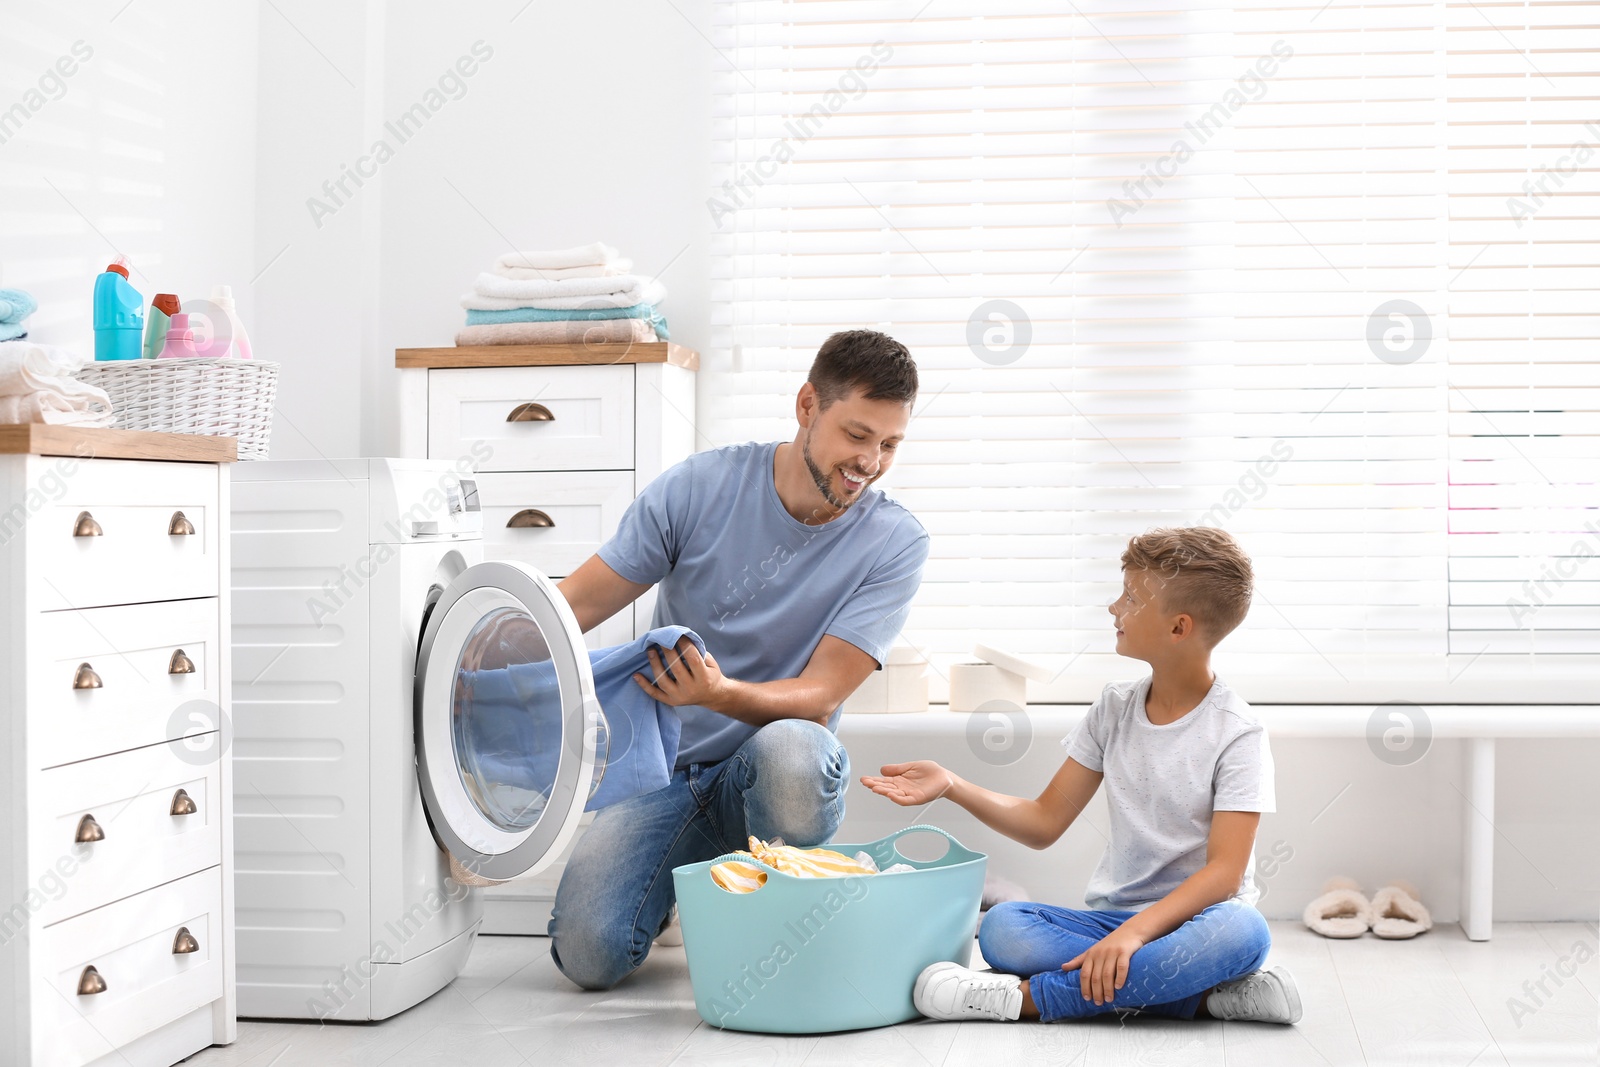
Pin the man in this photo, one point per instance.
(798, 576)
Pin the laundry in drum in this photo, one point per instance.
(508, 730)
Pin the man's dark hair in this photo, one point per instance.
(863, 359)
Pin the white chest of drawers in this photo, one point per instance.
(116, 895)
(563, 438)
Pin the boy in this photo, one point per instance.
(1171, 928)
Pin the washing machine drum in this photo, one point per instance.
(510, 738)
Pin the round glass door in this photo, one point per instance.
(507, 724)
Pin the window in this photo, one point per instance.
(1256, 266)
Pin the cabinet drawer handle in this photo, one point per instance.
(180, 526)
(530, 519)
(183, 803)
(86, 526)
(89, 831)
(85, 678)
(184, 943)
(180, 664)
(530, 412)
(90, 982)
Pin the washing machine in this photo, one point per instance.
(360, 602)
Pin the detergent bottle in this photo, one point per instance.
(118, 314)
(180, 340)
(162, 308)
(238, 341)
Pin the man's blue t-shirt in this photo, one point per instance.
(761, 587)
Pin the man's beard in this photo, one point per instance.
(824, 483)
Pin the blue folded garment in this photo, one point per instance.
(16, 305)
(509, 730)
(634, 311)
(12, 331)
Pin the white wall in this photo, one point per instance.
(585, 122)
(147, 148)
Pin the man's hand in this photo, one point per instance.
(684, 676)
(1104, 968)
(911, 784)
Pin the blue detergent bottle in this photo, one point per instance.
(118, 314)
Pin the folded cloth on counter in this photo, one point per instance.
(590, 255)
(509, 732)
(623, 290)
(37, 385)
(16, 305)
(603, 270)
(563, 332)
(649, 312)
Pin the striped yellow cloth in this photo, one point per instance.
(738, 877)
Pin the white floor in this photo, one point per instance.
(1439, 999)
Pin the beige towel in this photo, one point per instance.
(591, 255)
(562, 332)
(37, 385)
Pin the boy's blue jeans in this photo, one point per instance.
(787, 780)
(1168, 976)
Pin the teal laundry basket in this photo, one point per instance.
(816, 955)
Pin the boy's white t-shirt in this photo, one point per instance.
(1162, 784)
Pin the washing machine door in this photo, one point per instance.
(506, 720)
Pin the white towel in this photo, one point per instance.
(36, 385)
(560, 332)
(592, 255)
(554, 274)
(493, 293)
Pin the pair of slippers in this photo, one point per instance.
(1394, 912)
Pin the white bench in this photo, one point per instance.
(1479, 725)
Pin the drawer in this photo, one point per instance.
(132, 946)
(110, 679)
(582, 507)
(143, 550)
(131, 798)
(533, 418)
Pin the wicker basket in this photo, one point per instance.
(219, 397)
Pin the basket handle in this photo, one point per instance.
(919, 828)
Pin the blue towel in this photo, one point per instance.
(635, 311)
(16, 305)
(12, 331)
(509, 726)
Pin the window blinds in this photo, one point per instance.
(1249, 265)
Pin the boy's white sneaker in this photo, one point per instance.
(951, 992)
(1267, 996)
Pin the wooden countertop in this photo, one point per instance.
(88, 442)
(548, 355)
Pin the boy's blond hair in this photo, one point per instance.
(1200, 571)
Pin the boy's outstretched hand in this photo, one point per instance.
(910, 784)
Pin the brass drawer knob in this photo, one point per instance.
(180, 526)
(530, 519)
(180, 664)
(86, 526)
(85, 678)
(184, 943)
(530, 412)
(183, 803)
(89, 831)
(90, 982)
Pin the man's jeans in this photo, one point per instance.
(787, 780)
(1168, 976)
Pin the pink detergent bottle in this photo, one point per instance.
(180, 340)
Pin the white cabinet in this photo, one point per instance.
(561, 449)
(116, 931)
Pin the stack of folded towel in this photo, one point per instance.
(583, 295)
(15, 305)
(37, 385)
